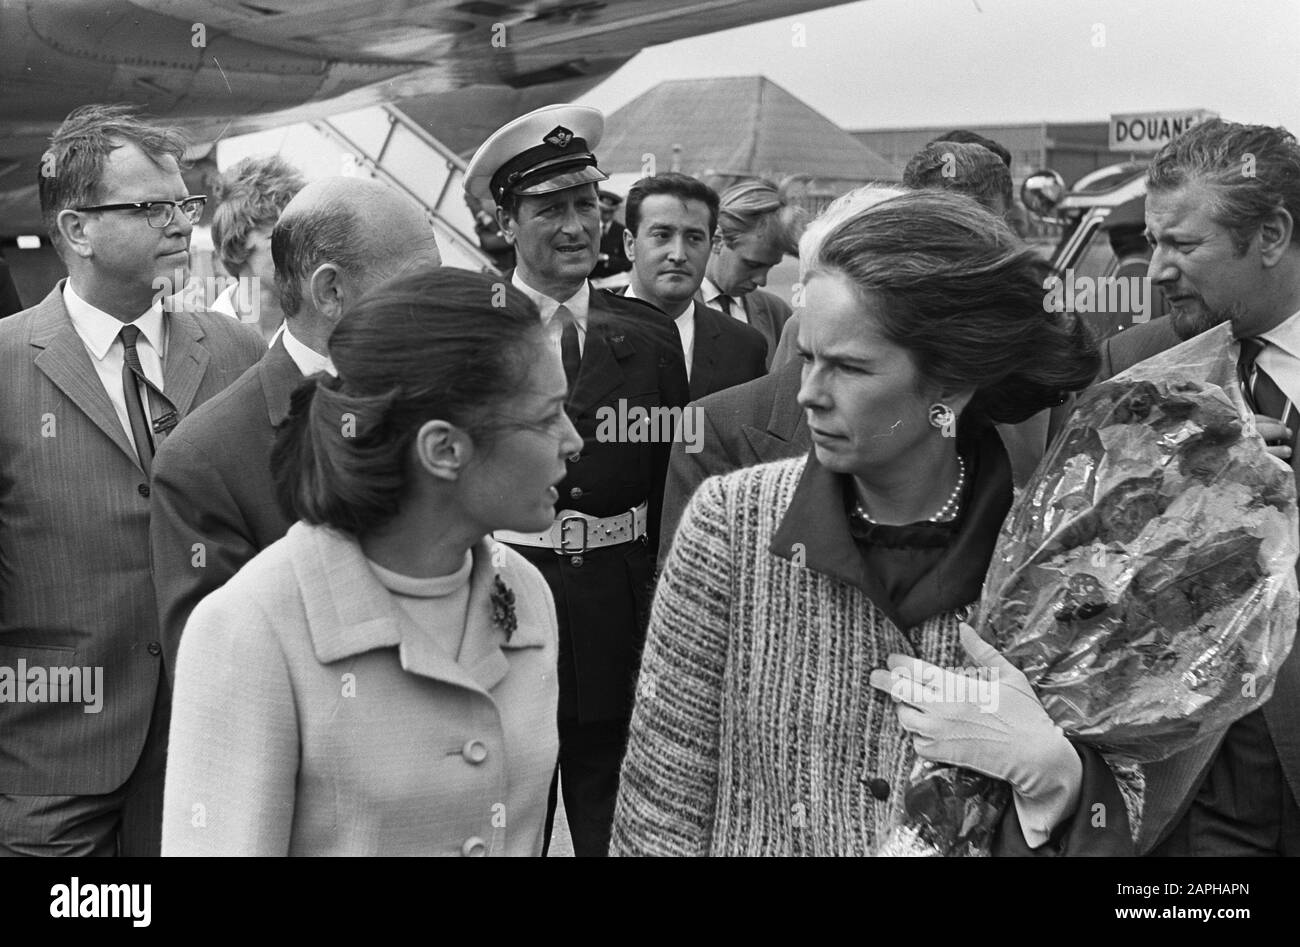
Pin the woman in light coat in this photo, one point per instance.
(799, 594)
(381, 681)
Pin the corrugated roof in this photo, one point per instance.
(745, 125)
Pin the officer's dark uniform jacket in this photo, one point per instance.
(602, 596)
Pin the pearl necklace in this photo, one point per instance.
(946, 512)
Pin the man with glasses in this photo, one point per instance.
(94, 378)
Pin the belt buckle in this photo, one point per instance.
(564, 550)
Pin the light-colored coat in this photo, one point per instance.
(313, 717)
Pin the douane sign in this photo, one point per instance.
(1151, 131)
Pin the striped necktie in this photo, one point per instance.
(1261, 391)
(145, 433)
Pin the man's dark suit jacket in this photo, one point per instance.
(9, 301)
(727, 352)
(611, 245)
(76, 585)
(761, 421)
(213, 505)
(768, 314)
(1172, 784)
(632, 355)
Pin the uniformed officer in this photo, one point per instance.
(619, 355)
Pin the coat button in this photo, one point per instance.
(575, 493)
(575, 561)
(154, 648)
(878, 788)
(143, 489)
(474, 751)
(474, 847)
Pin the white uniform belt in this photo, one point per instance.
(574, 533)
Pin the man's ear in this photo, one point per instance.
(629, 245)
(717, 243)
(506, 223)
(1275, 236)
(443, 450)
(72, 228)
(326, 291)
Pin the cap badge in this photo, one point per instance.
(560, 137)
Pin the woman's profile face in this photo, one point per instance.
(862, 395)
(512, 483)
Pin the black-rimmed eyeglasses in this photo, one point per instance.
(158, 213)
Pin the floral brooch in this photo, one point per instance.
(503, 607)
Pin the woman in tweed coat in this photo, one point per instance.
(381, 681)
(793, 587)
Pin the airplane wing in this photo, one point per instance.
(227, 67)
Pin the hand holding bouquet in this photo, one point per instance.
(1144, 582)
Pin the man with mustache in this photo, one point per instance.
(1221, 211)
(670, 223)
(618, 355)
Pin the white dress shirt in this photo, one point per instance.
(1281, 357)
(308, 360)
(685, 328)
(578, 305)
(710, 293)
(99, 333)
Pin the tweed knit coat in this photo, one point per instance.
(756, 731)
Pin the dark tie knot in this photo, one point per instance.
(129, 335)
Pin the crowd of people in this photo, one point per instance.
(367, 574)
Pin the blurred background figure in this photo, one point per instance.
(253, 194)
(446, 741)
(757, 227)
(337, 239)
(968, 169)
(671, 218)
(612, 258)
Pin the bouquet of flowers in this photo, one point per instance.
(1144, 581)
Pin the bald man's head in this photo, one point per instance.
(361, 231)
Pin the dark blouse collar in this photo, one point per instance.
(815, 529)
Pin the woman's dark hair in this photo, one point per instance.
(433, 343)
(967, 298)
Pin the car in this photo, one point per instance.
(1102, 243)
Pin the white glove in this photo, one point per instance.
(990, 721)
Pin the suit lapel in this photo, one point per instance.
(600, 373)
(186, 361)
(787, 429)
(64, 360)
(704, 359)
(760, 317)
(279, 375)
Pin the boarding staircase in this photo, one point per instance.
(383, 143)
